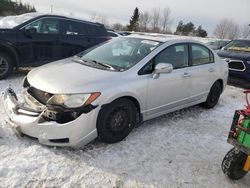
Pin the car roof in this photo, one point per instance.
(70, 17)
(39, 14)
(247, 40)
(164, 37)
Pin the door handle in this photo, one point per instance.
(186, 74)
(57, 40)
(211, 70)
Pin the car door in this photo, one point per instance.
(169, 91)
(39, 41)
(77, 36)
(203, 70)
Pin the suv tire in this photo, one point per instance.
(6, 65)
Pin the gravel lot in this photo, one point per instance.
(181, 149)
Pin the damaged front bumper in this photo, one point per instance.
(36, 120)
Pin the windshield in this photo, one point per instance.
(10, 22)
(238, 45)
(218, 43)
(120, 53)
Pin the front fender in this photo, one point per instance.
(9, 48)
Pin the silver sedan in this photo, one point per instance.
(106, 90)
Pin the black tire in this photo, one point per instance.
(116, 120)
(233, 163)
(213, 95)
(6, 65)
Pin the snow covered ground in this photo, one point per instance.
(181, 149)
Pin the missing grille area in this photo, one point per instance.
(40, 95)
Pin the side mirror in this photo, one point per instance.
(162, 68)
(220, 47)
(30, 31)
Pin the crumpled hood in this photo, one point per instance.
(234, 54)
(66, 76)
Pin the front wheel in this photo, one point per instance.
(213, 95)
(233, 163)
(6, 65)
(116, 120)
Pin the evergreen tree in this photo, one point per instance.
(8, 7)
(200, 32)
(179, 28)
(134, 21)
(189, 29)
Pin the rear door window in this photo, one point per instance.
(76, 28)
(201, 55)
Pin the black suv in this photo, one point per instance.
(34, 39)
(237, 54)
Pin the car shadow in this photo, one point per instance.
(241, 83)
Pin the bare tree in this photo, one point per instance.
(96, 17)
(93, 16)
(146, 20)
(165, 20)
(155, 19)
(103, 19)
(221, 29)
(141, 21)
(117, 26)
(245, 31)
(226, 29)
(233, 31)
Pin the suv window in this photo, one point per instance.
(75, 28)
(238, 45)
(46, 26)
(176, 55)
(201, 55)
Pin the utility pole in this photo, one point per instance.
(51, 9)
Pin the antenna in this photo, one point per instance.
(51, 9)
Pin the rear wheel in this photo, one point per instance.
(6, 65)
(213, 95)
(233, 163)
(116, 120)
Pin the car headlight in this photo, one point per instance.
(73, 100)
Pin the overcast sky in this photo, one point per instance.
(201, 12)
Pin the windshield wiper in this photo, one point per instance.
(103, 64)
(94, 62)
(79, 60)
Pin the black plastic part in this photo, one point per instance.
(60, 140)
(65, 115)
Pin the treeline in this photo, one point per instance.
(8, 7)
(228, 29)
(159, 20)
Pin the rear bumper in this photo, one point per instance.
(76, 133)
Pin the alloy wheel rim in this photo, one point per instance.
(119, 121)
(3, 65)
